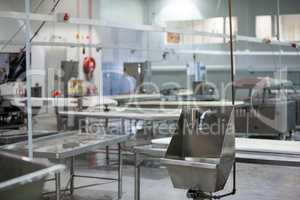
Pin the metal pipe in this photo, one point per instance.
(232, 83)
(137, 177)
(28, 71)
(57, 185)
(231, 51)
(234, 178)
(28, 79)
(120, 172)
(100, 178)
(72, 175)
(92, 185)
(233, 192)
(107, 155)
(247, 120)
(277, 20)
(123, 129)
(202, 117)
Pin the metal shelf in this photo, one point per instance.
(138, 27)
(175, 50)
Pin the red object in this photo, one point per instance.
(89, 64)
(56, 93)
(66, 17)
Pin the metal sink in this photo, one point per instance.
(21, 178)
(201, 158)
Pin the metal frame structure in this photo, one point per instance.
(71, 188)
(52, 147)
(28, 77)
(146, 115)
(138, 27)
(127, 113)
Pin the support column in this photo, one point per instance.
(120, 188)
(57, 185)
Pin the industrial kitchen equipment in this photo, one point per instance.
(270, 110)
(202, 153)
(21, 178)
(12, 115)
(13, 85)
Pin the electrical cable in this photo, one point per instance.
(44, 22)
(21, 57)
(21, 27)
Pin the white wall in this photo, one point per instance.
(126, 11)
(245, 10)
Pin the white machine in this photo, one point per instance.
(11, 113)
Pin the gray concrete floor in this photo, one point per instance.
(259, 182)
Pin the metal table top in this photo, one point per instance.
(251, 145)
(135, 96)
(129, 113)
(13, 136)
(179, 104)
(67, 145)
(242, 156)
(62, 102)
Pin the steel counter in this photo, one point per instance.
(66, 146)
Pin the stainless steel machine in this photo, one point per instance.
(12, 115)
(270, 109)
(202, 153)
(200, 92)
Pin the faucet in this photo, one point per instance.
(202, 117)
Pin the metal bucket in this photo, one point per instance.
(21, 178)
(201, 159)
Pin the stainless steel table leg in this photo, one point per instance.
(106, 123)
(152, 130)
(247, 121)
(120, 192)
(57, 185)
(107, 147)
(145, 125)
(130, 126)
(72, 175)
(107, 155)
(123, 127)
(137, 177)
